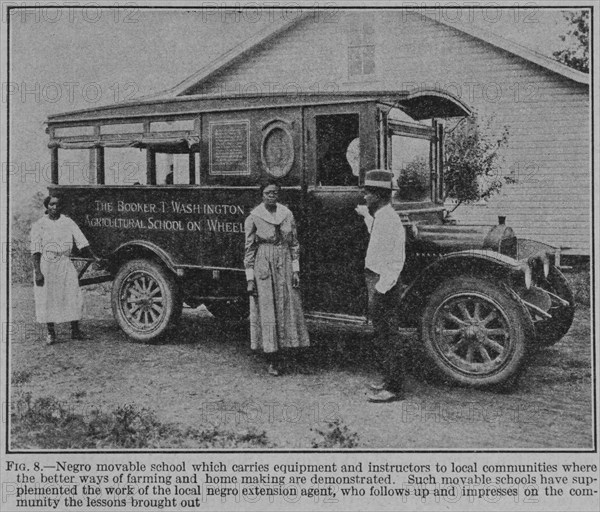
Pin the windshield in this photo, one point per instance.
(410, 157)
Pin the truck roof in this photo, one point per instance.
(421, 104)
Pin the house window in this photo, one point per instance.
(361, 49)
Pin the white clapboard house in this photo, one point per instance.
(545, 104)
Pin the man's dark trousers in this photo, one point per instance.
(389, 348)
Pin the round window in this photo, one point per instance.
(278, 151)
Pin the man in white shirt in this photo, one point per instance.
(383, 264)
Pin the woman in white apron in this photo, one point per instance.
(57, 294)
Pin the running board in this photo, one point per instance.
(95, 280)
(359, 321)
(321, 316)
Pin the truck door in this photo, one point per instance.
(333, 235)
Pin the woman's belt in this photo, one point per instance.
(269, 242)
(50, 252)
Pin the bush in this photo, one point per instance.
(413, 182)
(474, 158)
(22, 219)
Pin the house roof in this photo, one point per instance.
(516, 49)
(231, 56)
(272, 30)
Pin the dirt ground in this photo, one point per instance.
(204, 375)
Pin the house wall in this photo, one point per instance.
(547, 114)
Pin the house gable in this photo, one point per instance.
(345, 22)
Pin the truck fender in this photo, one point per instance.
(473, 262)
(140, 248)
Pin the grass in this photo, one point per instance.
(335, 435)
(20, 377)
(47, 423)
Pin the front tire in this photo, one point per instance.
(145, 300)
(475, 332)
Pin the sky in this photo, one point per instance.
(62, 60)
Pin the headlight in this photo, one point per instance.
(415, 229)
(546, 265)
(527, 274)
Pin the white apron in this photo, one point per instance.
(60, 299)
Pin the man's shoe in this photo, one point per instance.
(273, 371)
(50, 339)
(376, 386)
(384, 396)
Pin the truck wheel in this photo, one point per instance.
(550, 331)
(475, 332)
(145, 300)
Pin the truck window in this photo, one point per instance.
(124, 166)
(335, 133)
(411, 168)
(76, 167)
(174, 168)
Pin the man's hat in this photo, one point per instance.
(379, 179)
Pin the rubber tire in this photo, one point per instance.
(165, 280)
(229, 312)
(518, 320)
(549, 332)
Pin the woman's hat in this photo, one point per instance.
(379, 179)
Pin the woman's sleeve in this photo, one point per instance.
(80, 240)
(295, 247)
(250, 247)
(35, 236)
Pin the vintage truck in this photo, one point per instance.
(162, 187)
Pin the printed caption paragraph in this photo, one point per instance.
(188, 484)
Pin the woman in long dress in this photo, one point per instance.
(57, 294)
(272, 272)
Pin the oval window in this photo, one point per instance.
(277, 151)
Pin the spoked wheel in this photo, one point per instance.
(475, 332)
(145, 300)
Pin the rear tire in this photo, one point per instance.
(145, 300)
(475, 332)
